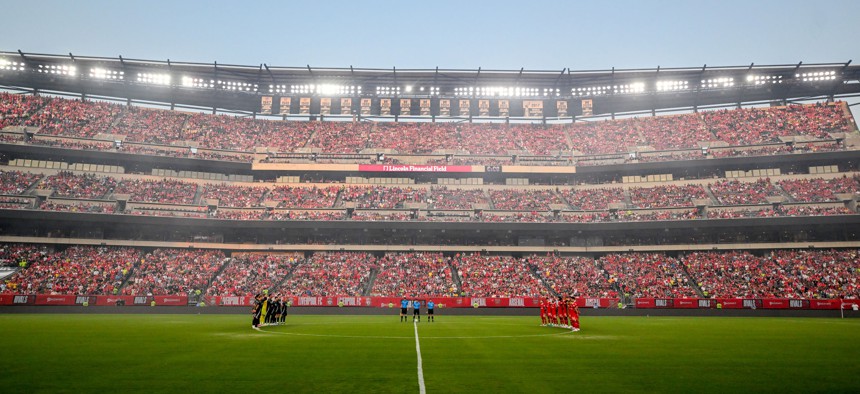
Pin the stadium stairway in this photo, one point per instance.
(714, 200)
(456, 276)
(692, 281)
(128, 277)
(370, 279)
(533, 270)
(203, 291)
(198, 195)
(287, 276)
(784, 193)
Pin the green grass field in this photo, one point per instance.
(370, 354)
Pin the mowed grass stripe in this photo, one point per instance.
(196, 353)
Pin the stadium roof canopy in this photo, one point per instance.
(241, 87)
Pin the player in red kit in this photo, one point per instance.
(574, 315)
(543, 308)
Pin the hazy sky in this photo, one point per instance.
(535, 34)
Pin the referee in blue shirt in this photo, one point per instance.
(430, 306)
(404, 305)
(416, 310)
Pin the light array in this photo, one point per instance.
(278, 89)
(155, 79)
(671, 86)
(237, 86)
(550, 92)
(717, 83)
(324, 89)
(101, 73)
(57, 69)
(817, 76)
(636, 87)
(758, 80)
(190, 82)
(388, 90)
(11, 66)
(590, 90)
(489, 91)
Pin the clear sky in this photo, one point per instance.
(500, 34)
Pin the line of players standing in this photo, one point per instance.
(271, 310)
(416, 310)
(562, 312)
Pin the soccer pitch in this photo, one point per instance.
(221, 353)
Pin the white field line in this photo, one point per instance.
(421, 388)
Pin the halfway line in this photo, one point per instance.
(421, 388)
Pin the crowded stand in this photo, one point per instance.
(594, 217)
(234, 196)
(186, 212)
(69, 184)
(331, 274)
(74, 118)
(669, 196)
(10, 202)
(541, 140)
(381, 197)
(150, 125)
(496, 276)
(822, 274)
(82, 207)
(235, 133)
(524, 200)
(15, 108)
(818, 189)
(492, 139)
(304, 197)
(636, 216)
(307, 215)
(370, 216)
(735, 274)
(16, 182)
(174, 272)
(747, 126)
(755, 151)
(249, 274)
(165, 191)
(341, 137)
(648, 275)
(414, 274)
(518, 217)
(592, 199)
(22, 255)
(443, 198)
(238, 214)
(77, 270)
(735, 192)
(572, 275)
(413, 138)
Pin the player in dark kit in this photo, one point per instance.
(257, 311)
(284, 304)
(270, 310)
(430, 306)
(416, 310)
(404, 306)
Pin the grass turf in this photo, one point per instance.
(220, 353)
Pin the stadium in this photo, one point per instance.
(704, 221)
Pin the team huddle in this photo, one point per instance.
(416, 310)
(562, 312)
(272, 310)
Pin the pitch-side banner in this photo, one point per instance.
(325, 106)
(412, 168)
(266, 105)
(504, 108)
(346, 106)
(405, 107)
